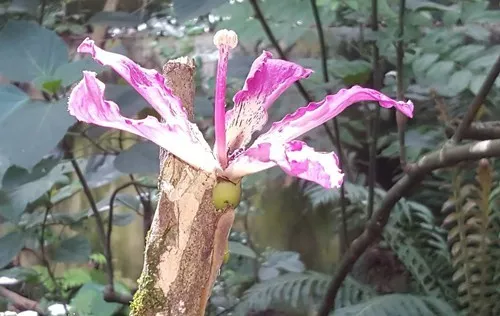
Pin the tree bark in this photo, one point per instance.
(187, 240)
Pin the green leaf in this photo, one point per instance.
(123, 218)
(72, 72)
(75, 277)
(30, 51)
(24, 6)
(32, 129)
(458, 83)
(140, 158)
(476, 83)
(100, 170)
(11, 98)
(74, 249)
(22, 187)
(483, 62)
(89, 301)
(116, 19)
(477, 32)
(440, 72)
(185, 10)
(241, 250)
(52, 86)
(422, 63)
(465, 53)
(10, 244)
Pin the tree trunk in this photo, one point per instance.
(188, 237)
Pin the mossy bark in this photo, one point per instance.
(186, 243)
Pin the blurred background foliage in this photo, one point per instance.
(61, 180)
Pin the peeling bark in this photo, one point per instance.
(186, 244)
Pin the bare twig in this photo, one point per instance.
(442, 158)
(400, 52)
(338, 144)
(270, 35)
(43, 3)
(477, 102)
(109, 294)
(20, 302)
(374, 120)
(46, 262)
(479, 131)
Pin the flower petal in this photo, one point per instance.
(179, 136)
(147, 82)
(267, 80)
(294, 157)
(316, 113)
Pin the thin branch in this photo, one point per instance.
(270, 35)
(374, 120)
(46, 262)
(110, 295)
(338, 144)
(42, 11)
(478, 131)
(400, 52)
(442, 158)
(477, 102)
(20, 302)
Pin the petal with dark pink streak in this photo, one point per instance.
(180, 137)
(267, 80)
(316, 113)
(294, 157)
(147, 82)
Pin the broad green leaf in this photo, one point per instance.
(100, 170)
(477, 32)
(10, 244)
(422, 63)
(11, 98)
(123, 218)
(73, 71)
(24, 6)
(30, 51)
(465, 53)
(458, 83)
(483, 62)
(116, 19)
(140, 158)
(185, 10)
(32, 129)
(476, 83)
(74, 249)
(22, 187)
(241, 250)
(89, 301)
(440, 72)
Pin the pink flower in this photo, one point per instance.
(232, 157)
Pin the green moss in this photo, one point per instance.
(148, 300)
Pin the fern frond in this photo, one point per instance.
(300, 290)
(415, 262)
(473, 239)
(397, 305)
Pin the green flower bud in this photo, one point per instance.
(226, 194)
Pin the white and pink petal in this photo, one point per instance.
(294, 157)
(267, 80)
(147, 82)
(314, 114)
(178, 136)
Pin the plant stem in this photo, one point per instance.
(338, 144)
(374, 120)
(270, 35)
(477, 102)
(400, 52)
